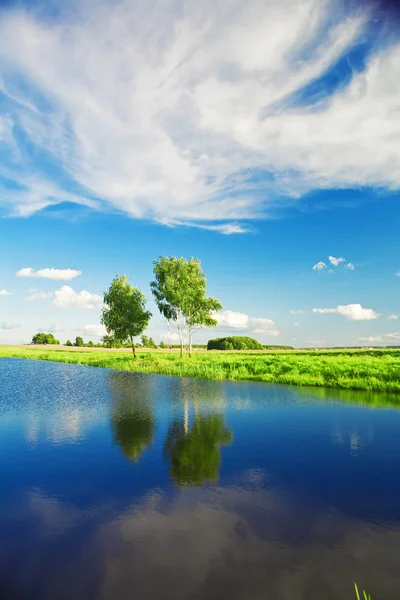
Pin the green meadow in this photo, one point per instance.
(367, 370)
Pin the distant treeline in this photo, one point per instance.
(238, 342)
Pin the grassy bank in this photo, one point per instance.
(371, 370)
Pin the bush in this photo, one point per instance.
(235, 342)
(68, 343)
(44, 338)
(272, 347)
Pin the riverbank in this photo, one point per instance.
(370, 370)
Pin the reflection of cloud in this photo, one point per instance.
(210, 543)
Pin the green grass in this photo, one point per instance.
(364, 596)
(370, 370)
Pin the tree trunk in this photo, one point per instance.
(190, 343)
(133, 349)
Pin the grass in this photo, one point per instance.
(365, 596)
(368, 370)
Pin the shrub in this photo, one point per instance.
(235, 342)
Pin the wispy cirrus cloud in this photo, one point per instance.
(354, 312)
(5, 293)
(38, 295)
(56, 274)
(201, 114)
(388, 338)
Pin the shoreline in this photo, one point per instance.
(374, 371)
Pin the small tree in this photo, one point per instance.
(179, 289)
(162, 345)
(79, 341)
(145, 341)
(68, 343)
(152, 343)
(90, 344)
(44, 338)
(125, 315)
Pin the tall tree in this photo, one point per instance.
(125, 315)
(179, 288)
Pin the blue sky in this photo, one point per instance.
(261, 138)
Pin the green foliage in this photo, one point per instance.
(44, 338)
(145, 341)
(365, 596)
(90, 344)
(234, 343)
(68, 343)
(195, 456)
(152, 343)
(79, 341)
(179, 289)
(273, 347)
(125, 315)
(162, 345)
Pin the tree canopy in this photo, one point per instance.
(179, 289)
(235, 342)
(124, 314)
(44, 338)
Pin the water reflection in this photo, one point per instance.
(194, 452)
(132, 415)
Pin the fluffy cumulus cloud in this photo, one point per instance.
(319, 266)
(228, 319)
(57, 274)
(66, 297)
(336, 261)
(93, 330)
(354, 312)
(385, 338)
(203, 113)
(9, 325)
(170, 338)
(5, 293)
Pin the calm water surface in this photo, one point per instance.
(123, 486)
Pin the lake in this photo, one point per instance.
(124, 486)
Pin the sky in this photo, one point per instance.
(261, 137)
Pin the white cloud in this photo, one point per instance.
(10, 325)
(57, 274)
(336, 261)
(296, 323)
(388, 338)
(354, 312)
(350, 266)
(56, 328)
(93, 330)
(228, 319)
(190, 94)
(5, 293)
(38, 295)
(236, 320)
(297, 312)
(393, 317)
(170, 338)
(319, 266)
(66, 297)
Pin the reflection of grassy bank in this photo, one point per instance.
(377, 371)
(366, 398)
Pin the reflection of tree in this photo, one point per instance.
(195, 454)
(132, 415)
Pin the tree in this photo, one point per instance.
(68, 343)
(152, 343)
(79, 341)
(179, 288)
(90, 344)
(125, 315)
(145, 341)
(44, 338)
(162, 345)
